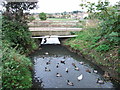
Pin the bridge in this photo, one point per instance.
(52, 30)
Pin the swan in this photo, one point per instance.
(58, 75)
(70, 83)
(80, 77)
(66, 70)
(100, 81)
(46, 69)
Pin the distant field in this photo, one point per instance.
(61, 19)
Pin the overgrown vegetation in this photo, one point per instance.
(16, 68)
(16, 43)
(31, 18)
(101, 42)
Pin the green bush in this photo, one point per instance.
(16, 72)
(18, 34)
(103, 47)
(42, 16)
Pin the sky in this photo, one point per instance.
(52, 6)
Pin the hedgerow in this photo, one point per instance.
(16, 68)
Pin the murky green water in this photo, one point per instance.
(57, 53)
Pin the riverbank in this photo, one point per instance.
(88, 45)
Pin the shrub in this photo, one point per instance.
(42, 16)
(15, 73)
(102, 47)
(18, 34)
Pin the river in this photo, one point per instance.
(51, 56)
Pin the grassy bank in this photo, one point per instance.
(91, 44)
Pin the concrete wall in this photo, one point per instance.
(44, 33)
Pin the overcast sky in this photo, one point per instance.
(51, 6)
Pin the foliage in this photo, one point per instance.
(109, 17)
(42, 16)
(15, 73)
(18, 34)
(103, 47)
(16, 41)
(14, 10)
(31, 18)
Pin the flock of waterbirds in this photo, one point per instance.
(79, 78)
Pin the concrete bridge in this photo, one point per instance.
(43, 31)
(51, 31)
(43, 28)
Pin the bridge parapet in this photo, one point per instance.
(52, 31)
(47, 23)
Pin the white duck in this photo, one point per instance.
(95, 71)
(46, 53)
(81, 63)
(58, 75)
(70, 83)
(80, 77)
(100, 81)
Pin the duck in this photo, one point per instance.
(74, 64)
(100, 81)
(81, 63)
(106, 75)
(69, 83)
(80, 77)
(62, 61)
(57, 66)
(66, 70)
(46, 53)
(95, 71)
(46, 69)
(58, 75)
(88, 71)
(48, 62)
(64, 57)
(77, 69)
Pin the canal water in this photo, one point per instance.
(50, 56)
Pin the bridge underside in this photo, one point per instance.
(41, 31)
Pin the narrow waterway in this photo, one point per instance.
(52, 57)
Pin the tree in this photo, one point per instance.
(14, 26)
(109, 17)
(14, 10)
(42, 16)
